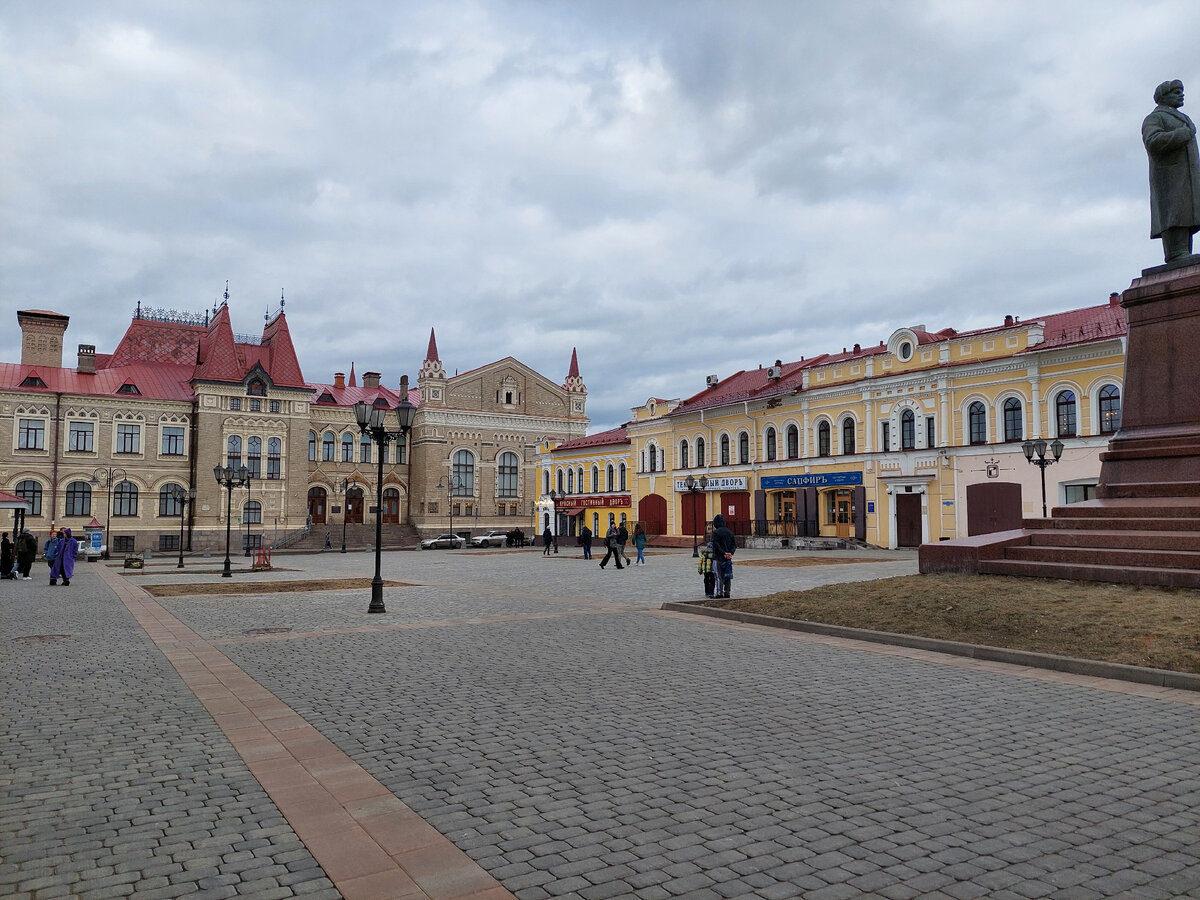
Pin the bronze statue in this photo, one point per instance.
(1170, 139)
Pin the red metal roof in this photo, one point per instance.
(612, 436)
(158, 381)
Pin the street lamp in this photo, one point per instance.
(693, 485)
(372, 422)
(183, 498)
(1029, 448)
(229, 478)
(454, 484)
(105, 476)
(249, 478)
(344, 490)
(555, 496)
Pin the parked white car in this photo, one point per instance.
(443, 541)
(491, 539)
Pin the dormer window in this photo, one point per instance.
(128, 388)
(325, 398)
(905, 350)
(256, 388)
(33, 381)
(381, 402)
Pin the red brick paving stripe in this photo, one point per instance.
(368, 842)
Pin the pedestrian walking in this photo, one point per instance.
(49, 553)
(26, 551)
(8, 559)
(328, 540)
(547, 540)
(724, 546)
(639, 542)
(623, 541)
(612, 545)
(585, 541)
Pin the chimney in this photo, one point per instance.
(1008, 320)
(370, 379)
(403, 387)
(87, 359)
(1114, 299)
(339, 380)
(857, 348)
(41, 337)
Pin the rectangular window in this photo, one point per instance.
(129, 439)
(80, 438)
(172, 440)
(253, 541)
(1076, 493)
(168, 542)
(123, 544)
(930, 432)
(274, 406)
(235, 403)
(274, 445)
(32, 435)
(255, 406)
(886, 443)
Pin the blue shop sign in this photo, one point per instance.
(830, 479)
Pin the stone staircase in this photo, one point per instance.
(358, 538)
(1145, 540)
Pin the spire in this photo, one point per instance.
(432, 352)
(574, 370)
(353, 381)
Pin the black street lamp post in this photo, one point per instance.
(105, 476)
(555, 496)
(693, 485)
(249, 478)
(183, 498)
(1038, 448)
(372, 421)
(344, 490)
(455, 484)
(229, 478)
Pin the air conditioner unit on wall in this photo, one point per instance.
(712, 380)
(775, 372)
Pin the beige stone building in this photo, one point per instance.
(107, 446)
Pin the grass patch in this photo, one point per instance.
(228, 589)
(1141, 626)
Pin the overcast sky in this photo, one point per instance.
(678, 189)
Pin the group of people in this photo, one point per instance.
(60, 550)
(16, 558)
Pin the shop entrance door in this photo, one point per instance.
(789, 516)
(845, 523)
(908, 520)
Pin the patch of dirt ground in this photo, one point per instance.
(263, 587)
(1140, 626)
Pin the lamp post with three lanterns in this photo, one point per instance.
(229, 478)
(1038, 448)
(693, 485)
(372, 421)
(183, 498)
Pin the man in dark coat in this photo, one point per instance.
(585, 541)
(1170, 139)
(724, 545)
(26, 551)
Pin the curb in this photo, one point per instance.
(1118, 671)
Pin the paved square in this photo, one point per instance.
(576, 742)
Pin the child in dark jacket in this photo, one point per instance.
(705, 568)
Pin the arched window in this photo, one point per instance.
(347, 447)
(1110, 409)
(167, 504)
(1064, 412)
(274, 452)
(364, 449)
(545, 481)
(327, 447)
(252, 513)
(570, 481)
(312, 446)
(793, 442)
(464, 468)
(683, 455)
(1014, 420)
(254, 456)
(653, 458)
(724, 449)
(849, 430)
(609, 481)
(743, 448)
(908, 430)
(700, 452)
(771, 451)
(595, 478)
(558, 481)
(79, 499)
(31, 491)
(509, 469)
(579, 479)
(233, 452)
(977, 423)
(823, 439)
(125, 499)
(624, 486)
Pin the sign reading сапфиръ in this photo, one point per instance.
(829, 479)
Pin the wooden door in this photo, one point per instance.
(695, 513)
(844, 523)
(316, 505)
(354, 506)
(908, 520)
(391, 507)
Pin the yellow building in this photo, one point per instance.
(586, 479)
(883, 444)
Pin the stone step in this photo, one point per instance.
(1107, 556)
(1117, 539)
(1131, 507)
(1089, 572)
(1151, 489)
(1119, 523)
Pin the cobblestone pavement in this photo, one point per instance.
(577, 742)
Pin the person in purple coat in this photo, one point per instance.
(64, 559)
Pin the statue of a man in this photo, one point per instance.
(1170, 139)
